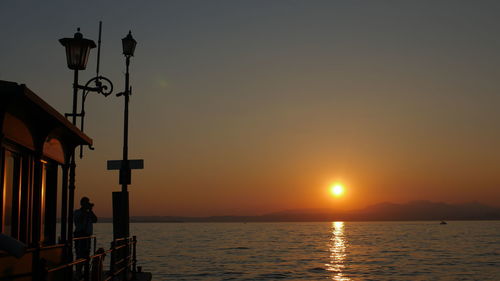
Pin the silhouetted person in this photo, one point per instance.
(84, 220)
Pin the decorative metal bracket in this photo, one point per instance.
(102, 85)
(104, 89)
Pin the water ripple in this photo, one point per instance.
(317, 251)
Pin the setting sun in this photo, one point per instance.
(337, 189)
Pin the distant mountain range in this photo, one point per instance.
(415, 210)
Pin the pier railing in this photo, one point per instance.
(123, 261)
(45, 263)
(92, 238)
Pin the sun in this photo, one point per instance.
(337, 190)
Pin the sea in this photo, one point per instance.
(424, 250)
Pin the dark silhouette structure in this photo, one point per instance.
(36, 145)
(37, 164)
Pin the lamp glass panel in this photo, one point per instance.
(128, 46)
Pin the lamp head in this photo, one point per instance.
(128, 44)
(77, 50)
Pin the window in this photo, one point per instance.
(10, 193)
(43, 193)
(49, 206)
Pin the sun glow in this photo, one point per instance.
(337, 190)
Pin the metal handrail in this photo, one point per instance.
(114, 271)
(57, 268)
(41, 270)
(84, 237)
(88, 237)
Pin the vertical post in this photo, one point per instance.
(25, 202)
(134, 256)
(36, 230)
(64, 203)
(126, 171)
(39, 265)
(2, 175)
(125, 129)
(43, 269)
(125, 165)
(120, 207)
(86, 269)
(35, 263)
(72, 165)
(71, 203)
(71, 184)
(51, 194)
(75, 96)
(71, 199)
(113, 259)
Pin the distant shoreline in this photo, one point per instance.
(109, 220)
(411, 211)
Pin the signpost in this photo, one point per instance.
(132, 164)
(125, 173)
(120, 198)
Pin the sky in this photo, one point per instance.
(249, 107)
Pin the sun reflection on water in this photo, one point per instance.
(337, 247)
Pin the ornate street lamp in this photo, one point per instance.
(120, 199)
(77, 54)
(77, 50)
(128, 45)
(121, 225)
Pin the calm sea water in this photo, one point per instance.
(317, 251)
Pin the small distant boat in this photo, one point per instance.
(443, 222)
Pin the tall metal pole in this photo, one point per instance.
(71, 183)
(72, 165)
(125, 164)
(75, 96)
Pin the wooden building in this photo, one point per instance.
(36, 144)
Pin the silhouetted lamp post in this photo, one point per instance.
(77, 54)
(128, 45)
(121, 226)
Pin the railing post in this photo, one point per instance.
(86, 269)
(71, 245)
(134, 255)
(112, 261)
(35, 263)
(128, 253)
(97, 264)
(68, 272)
(43, 270)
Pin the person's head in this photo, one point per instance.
(85, 203)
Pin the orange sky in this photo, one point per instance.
(244, 108)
